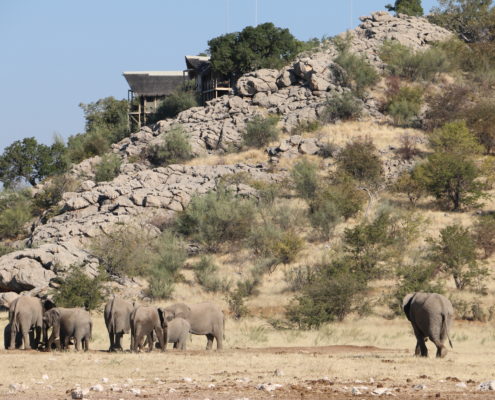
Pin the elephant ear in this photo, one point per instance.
(162, 315)
(406, 304)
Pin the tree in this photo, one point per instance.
(360, 160)
(31, 161)
(455, 253)
(472, 20)
(263, 46)
(409, 7)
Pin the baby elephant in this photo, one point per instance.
(178, 333)
(431, 317)
(68, 323)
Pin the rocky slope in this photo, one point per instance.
(297, 93)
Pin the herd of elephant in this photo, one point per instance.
(430, 314)
(30, 317)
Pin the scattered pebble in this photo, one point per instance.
(187, 380)
(96, 388)
(461, 385)
(115, 388)
(278, 372)
(104, 380)
(484, 386)
(419, 387)
(211, 386)
(382, 392)
(135, 391)
(78, 393)
(268, 387)
(45, 377)
(172, 390)
(17, 387)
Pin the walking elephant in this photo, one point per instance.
(145, 321)
(25, 318)
(67, 323)
(117, 316)
(178, 333)
(204, 318)
(431, 316)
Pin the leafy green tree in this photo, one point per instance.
(358, 73)
(455, 253)
(472, 20)
(174, 149)
(455, 138)
(360, 160)
(15, 212)
(409, 7)
(304, 174)
(31, 161)
(263, 46)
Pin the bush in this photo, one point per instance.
(422, 65)
(6, 249)
(216, 218)
(409, 7)
(343, 107)
(407, 149)
(404, 107)
(175, 103)
(413, 278)
(261, 131)
(236, 304)
(15, 213)
(206, 275)
(86, 145)
(484, 234)
(360, 160)
(446, 106)
(454, 138)
(80, 290)
(335, 292)
(305, 126)
(164, 271)
(108, 168)
(299, 277)
(305, 177)
(481, 120)
(126, 251)
(359, 74)
(408, 184)
(53, 190)
(175, 148)
(455, 253)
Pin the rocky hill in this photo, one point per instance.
(297, 93)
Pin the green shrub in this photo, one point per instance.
(53, 190)
(407, 149)
(405, 106)
(422, 65)
(175, 103)
(455, 253)
(305, 126)
(344, 106)
(409, 7)
(216, 218)
(206, 274)
(484, 234)
(15, 213)
(86, 145)
(454, 138)
(359, 74)
(360, 160)
(305, 177)
(481, 120)
(261, 131)
(299, 277)
(164, 271)
(126, 251)
(237, 308)
(174, 149)
(446, 106)
(413, 278)
(408, 184)
(80, 290)
(287, 247)
(108, 168)
(334, 293)
(6, 249)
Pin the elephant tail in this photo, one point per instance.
(445, 330)
(90, 330)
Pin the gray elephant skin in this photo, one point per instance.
(117, 316)
(204, 318)
(178, 333)
(67, 323)
(144, 322)
(431, 316)
(25, 317)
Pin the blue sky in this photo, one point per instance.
(56, 54)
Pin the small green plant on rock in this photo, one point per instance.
(260, 131)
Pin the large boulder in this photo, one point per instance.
(263, 80)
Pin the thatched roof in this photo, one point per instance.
(154, 83)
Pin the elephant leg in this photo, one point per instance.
(26, 343)
(13, 334)
(85, 343)
(112, 340)
(150, 342)
(118, 341)
(209, 343)
(441, 349)
(78, 343)
(37, 337)
(66, 342)
(420, 338)
(219, 339)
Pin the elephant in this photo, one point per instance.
(431, 316)
(204, 318)
(145, 321)
(117, 316)
(18, 338)
(68, 323)
(178, 333)
(25, 316)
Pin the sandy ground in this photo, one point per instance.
(358, 355)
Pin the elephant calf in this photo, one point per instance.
(431, 316)
(145, 321)
(67, 323)
(178, 333)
